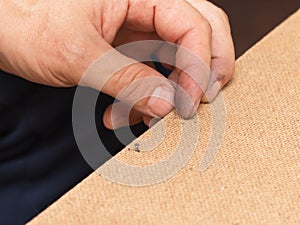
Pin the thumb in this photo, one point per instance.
(130, 81)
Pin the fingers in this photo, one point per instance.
(223, 56)
(193, 58)
(178, 22)
(192, 82)
(144, 89)
(131, 82)
(120, 115)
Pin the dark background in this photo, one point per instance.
(251, 20)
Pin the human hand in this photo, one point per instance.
(222, 48)
(54, 42)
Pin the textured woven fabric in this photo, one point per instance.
(255, 178)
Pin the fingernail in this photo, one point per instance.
(161, 101)
(154, 121)
(185, 105)
(212, 91)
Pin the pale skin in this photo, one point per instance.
(54, 42)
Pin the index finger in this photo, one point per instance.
(178, 22)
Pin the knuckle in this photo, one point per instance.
(206, 26)
(217, 13)
(222, 14)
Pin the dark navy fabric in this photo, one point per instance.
(39, 159)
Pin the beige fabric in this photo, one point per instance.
(255, 178)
